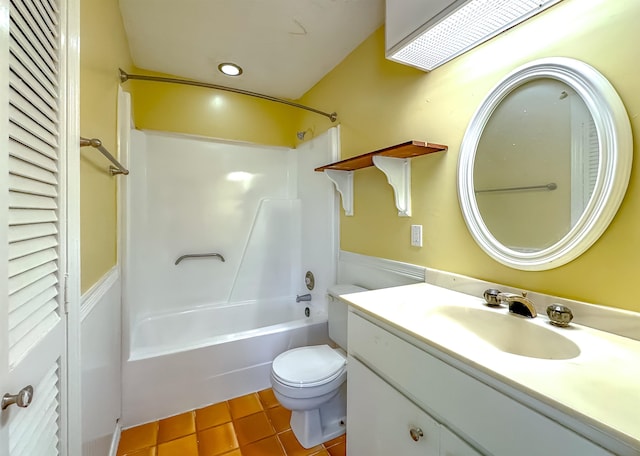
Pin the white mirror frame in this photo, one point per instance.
(616, 152)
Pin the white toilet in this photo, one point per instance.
(311, 381)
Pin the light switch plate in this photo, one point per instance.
(416, 235)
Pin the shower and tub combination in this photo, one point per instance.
(218, 238)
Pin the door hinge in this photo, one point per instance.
(66, 293)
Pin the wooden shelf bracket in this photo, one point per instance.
(343, 180)
(398, 172)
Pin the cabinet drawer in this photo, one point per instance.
(489, 419)
(380, 419)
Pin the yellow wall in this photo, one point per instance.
(212, 113)
(103, 48)
(381, 103)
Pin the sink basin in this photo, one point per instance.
(507, 333)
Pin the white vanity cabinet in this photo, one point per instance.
(388, 423)
(452, 445)
(386, 368)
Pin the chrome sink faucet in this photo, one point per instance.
(519, 304)
(304, 297)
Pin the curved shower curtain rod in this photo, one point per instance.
(124, 77)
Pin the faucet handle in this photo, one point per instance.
(559, 315)
(491, 296)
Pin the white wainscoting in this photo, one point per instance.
(101, 365)
(373, 272)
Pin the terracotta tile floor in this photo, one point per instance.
(251, 425)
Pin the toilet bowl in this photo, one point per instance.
(311, 381)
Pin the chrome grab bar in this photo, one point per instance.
(199, 255)
(96, 143)
(550, 186)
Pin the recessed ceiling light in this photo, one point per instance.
(230, 69)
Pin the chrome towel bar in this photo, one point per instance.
(199, 255)
(96, 143)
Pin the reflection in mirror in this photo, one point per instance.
(544, 164)
(536, 165)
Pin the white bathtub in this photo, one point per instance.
(186, 360)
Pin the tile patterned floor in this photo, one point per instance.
(251, 425)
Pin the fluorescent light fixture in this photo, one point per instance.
(230, 69)
(468, 24)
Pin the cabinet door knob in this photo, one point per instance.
(416, 433)
(22, 399)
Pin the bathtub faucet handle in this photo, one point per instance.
(304, 297)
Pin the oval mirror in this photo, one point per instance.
(544, 164)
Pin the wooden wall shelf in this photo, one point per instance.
(392, 161)
(407, 149)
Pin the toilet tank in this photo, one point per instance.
(338, 313)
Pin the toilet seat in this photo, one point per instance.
(306, 367)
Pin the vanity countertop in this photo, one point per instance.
(599, 386)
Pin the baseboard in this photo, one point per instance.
(93, 295)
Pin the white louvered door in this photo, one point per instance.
(32, 316)
(585, 158)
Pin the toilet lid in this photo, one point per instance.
(308, 366)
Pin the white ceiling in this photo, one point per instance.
(283, 46)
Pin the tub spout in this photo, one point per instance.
(305, 297)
